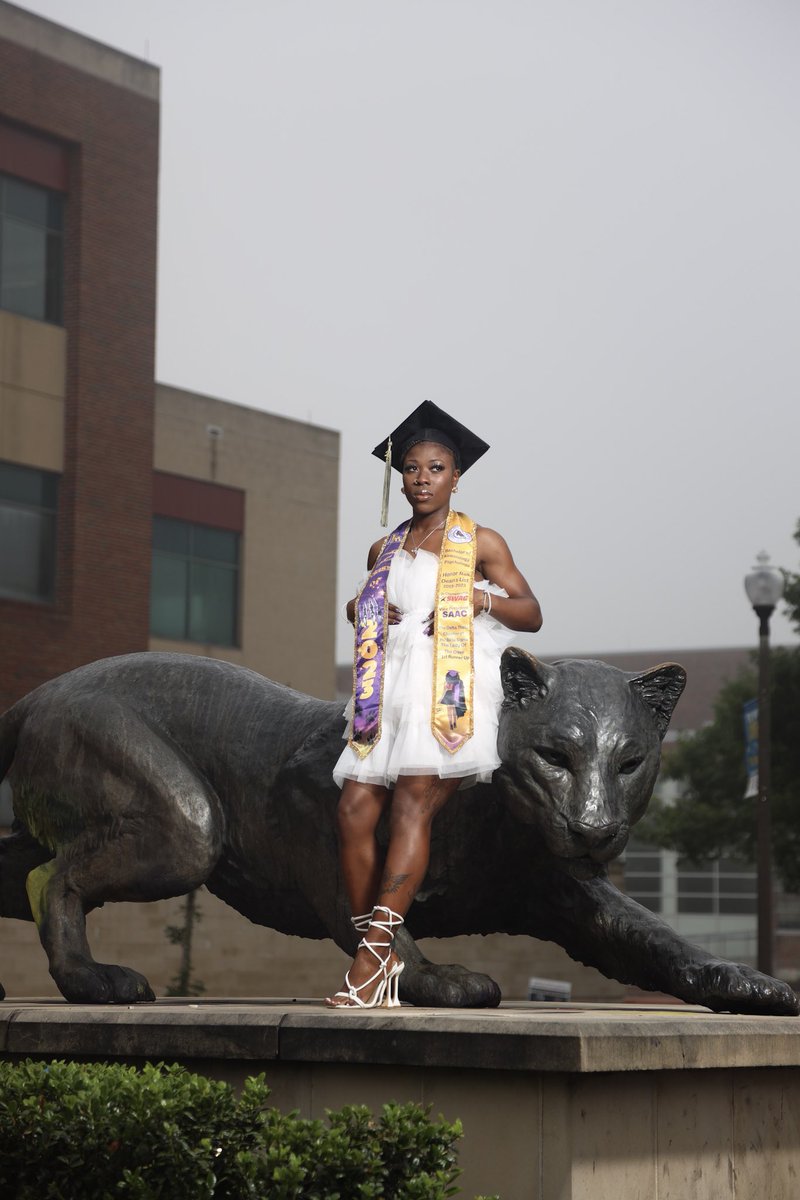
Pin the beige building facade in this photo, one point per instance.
(288, 474)
(32, 383)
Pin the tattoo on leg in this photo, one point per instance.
(392, 883)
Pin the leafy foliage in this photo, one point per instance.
(791, 590)
(72, 1131)
(711, 818)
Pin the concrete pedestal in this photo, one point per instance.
(558, 1102)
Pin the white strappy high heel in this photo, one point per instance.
(391, 922)
(386, 980)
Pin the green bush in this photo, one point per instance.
(72, 1131)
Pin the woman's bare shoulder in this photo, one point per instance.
(490, 539)
(374, 551)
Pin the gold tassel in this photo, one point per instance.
(387, 483)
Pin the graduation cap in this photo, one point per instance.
(428, 423)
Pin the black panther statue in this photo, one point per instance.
(142, 777)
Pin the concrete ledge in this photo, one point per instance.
(516, 1037)
(558, 1102)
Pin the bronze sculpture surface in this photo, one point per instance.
(142, 777)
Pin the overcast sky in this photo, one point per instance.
(573, 223)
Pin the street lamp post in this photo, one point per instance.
(764, 587)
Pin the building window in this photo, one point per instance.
(643, 874)
(28, 504)
(722, 886)
(718, 888)
(31, 249)
(194, 585)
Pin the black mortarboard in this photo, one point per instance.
(428, 423)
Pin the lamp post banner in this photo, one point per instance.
(750, 715)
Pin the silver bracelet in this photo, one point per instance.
(489, 609)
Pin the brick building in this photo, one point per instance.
(132, 516)
(79, 130)
(135, 515)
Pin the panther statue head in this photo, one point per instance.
(580, 743)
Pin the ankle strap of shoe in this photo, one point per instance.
(389, 923)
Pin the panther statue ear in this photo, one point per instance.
(524, 677)
(661, 689)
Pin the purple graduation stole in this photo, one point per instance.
(371, 625)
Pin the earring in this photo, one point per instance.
(402, 491)
(455, 489)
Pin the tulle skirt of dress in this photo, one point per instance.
(407, 745)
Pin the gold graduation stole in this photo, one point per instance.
(453, 670)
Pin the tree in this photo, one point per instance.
(711, 818)
(791, 592)
(184, 983)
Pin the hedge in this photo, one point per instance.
(71, 1131)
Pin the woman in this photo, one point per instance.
(437, 606)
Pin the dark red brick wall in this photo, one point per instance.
(199, 501)
(37, 159)
(104, 531)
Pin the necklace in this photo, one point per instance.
(417, 544)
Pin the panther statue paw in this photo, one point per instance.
(733, 987)
(434, 985)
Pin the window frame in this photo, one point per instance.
(190, 559)
(53, 232)
(700, 888)
(44, 510)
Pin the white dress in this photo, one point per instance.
(406, 745)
